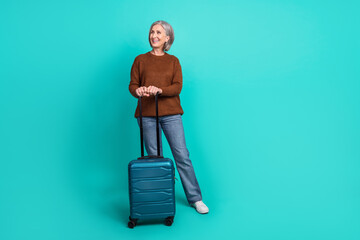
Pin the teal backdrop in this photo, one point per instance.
(272, 111)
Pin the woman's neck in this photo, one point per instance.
(157, 51)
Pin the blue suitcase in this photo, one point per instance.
(151, 183)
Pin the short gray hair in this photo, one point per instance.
(169, 31)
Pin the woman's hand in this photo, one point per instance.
(142, 92)
(152, 90)
(147, 91)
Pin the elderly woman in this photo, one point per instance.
(158, 72)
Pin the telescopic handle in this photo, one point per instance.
(157, 128)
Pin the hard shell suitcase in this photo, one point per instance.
(151, 183)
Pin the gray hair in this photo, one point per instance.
(169, 31)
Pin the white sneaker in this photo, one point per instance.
(200, 207)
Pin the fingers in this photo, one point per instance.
(137, 92)
(142, 92)
(147, 91)
(154, 90)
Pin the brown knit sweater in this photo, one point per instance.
(160, 71)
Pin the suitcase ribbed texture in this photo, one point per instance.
(151, 188)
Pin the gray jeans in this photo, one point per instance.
(174, 133)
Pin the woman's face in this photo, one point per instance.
(158, 36)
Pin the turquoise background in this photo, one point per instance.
(272, 111)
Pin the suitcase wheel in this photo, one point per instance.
(132, 223)
(169, 221)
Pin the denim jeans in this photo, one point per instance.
(174, 133)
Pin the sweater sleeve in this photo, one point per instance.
(134, 78)
(175, 88)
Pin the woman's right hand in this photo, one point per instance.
(142, 92)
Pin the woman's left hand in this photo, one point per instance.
(152, 90)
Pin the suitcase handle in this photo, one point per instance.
(157, 129)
